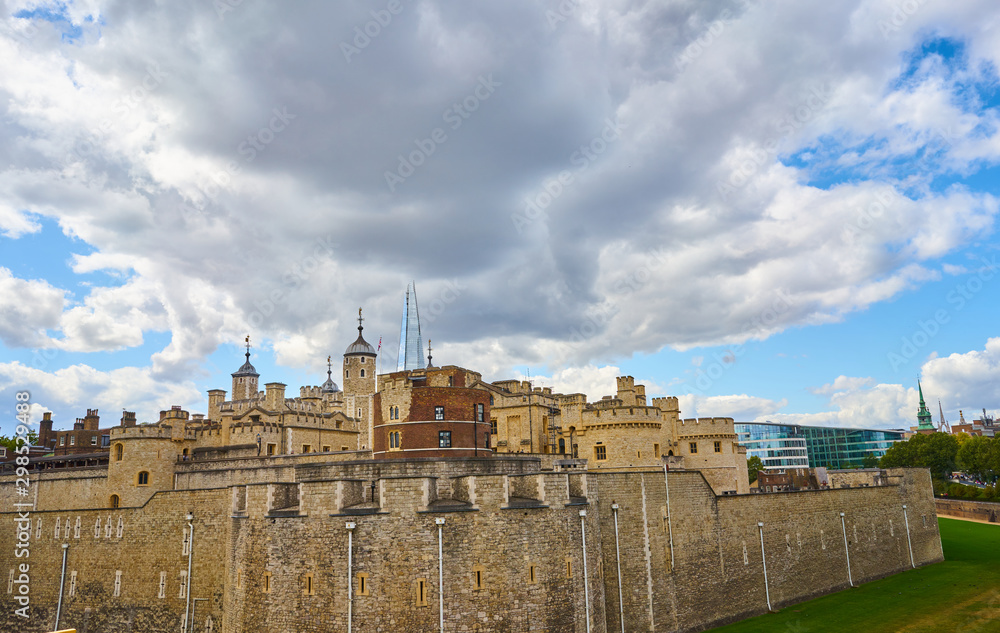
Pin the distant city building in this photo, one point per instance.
(778, 446)
(793, 446)
(411, 344)
(984, 427)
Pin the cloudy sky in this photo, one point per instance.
(775, 210)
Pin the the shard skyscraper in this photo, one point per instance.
(411, 344)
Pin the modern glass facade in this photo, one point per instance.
(411, 343)
(792, 445)
(777, 445)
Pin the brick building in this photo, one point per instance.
(86, 437)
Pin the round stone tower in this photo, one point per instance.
(359, 384)
(245, 379)
(359, 365)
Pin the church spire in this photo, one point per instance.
(924, 417)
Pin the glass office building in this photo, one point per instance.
(777, 445)
(794, 446)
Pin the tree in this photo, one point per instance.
(936, 451)
(977, 456)
(11, 442)
(869, 461)
(754, 466)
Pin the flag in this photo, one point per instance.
(379, 343)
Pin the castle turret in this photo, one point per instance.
(245, 379)
(275, 398)
(359, 365)
(626, 390)
(359, 384)
(329, 386)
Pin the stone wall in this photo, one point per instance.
(978, 510)
(59, 488)
(141, 543)
(273, 556)
(717, 574)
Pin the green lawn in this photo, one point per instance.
(960, 595)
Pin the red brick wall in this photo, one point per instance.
(459, 409)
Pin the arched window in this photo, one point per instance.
(362, 373)
(394, 441)
(116, 501)
(143, 478)
(397, 412)
(491, 400)
(119, 452)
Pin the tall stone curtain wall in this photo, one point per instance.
(274, 557)
(128, 547)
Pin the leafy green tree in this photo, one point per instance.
(754, 466)
(979, 456)
(869, 461)
(936, 451)
(11, 442)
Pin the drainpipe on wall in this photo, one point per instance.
(187, 594)
(440, 524)
(670, 531)
(62, 582)
(847, 550)
(350, 573)
(908, 544)
(618, 559)
(586, 588)
(763, 558)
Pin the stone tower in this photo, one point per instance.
(245, 379)
(359, 384)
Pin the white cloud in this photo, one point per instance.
(80, 387)
(132, 137)
(27, 309)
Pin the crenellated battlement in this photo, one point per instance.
(150, 431)
(666, 404)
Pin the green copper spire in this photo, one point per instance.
(923, 415)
